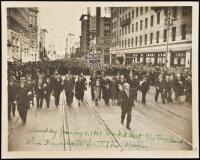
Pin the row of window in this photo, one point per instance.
(185, 12)
(139, 39)
(135, 27)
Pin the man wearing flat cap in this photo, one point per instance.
(22, 100)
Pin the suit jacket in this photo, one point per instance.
(11, 92)
(160, 85)
(144, 87)
(168, 85)
(127, 102)
(22, 96)
(57, 86)
(39, 88)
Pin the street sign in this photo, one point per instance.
(94, 60)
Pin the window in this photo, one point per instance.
(132, 27)
(132, 42)
(141, 10)
(145, 39)
(136, 12)
(125, 30)
(151, 38)
(122, 43)
(128, 42)
(158, 18)
(146, 22)
(146, 9)
(157, 36)
(183, 31)
(132, 13)
(129, 15)
(135, 41)
(122, 31)
(136, 26)
(174, 12)
(129, 28)
(140, 40)
(125, 43)
(141, 24)
(165, 35)
(186, 10)
(173, 33)
(152, 20)
(165, 12)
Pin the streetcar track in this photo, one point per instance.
(155, 104)
(100, 120)
(14, 126)
(161, 125)
(65, 123)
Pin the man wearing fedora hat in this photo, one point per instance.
(22, 100)
(11, 98)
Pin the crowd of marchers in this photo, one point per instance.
(112, 83)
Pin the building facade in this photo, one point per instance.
(85, 37)
(144, 35)
(95, 35)
(51, 53)
(33, 30)
(42, 44)
(18, 34)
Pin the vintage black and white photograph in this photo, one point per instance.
(103, 77)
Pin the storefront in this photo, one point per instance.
(113, 59)
(178, 58)
(106, 59)
(129, 59)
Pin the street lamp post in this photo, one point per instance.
(168, 22)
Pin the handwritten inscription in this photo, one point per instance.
(90, 138)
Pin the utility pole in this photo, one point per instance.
(168, 23)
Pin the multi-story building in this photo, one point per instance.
(33, 29)
(146, 34)
(95, 35)
(104, 39)
(85, 34)
(18, 34)
(42, 44)
(51, 53)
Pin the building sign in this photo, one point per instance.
(94, 60)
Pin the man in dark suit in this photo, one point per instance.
(105, 86)
(144, 87)
(92, 85)
(22, 100)
(57, 88)
(68, 86)
(11, 98)
(168, 89)
(47, 90)
(160, 88)
(39, 91)
(30, 86)
(127, 102)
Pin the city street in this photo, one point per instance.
(155, 126)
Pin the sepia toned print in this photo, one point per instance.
(100, 79)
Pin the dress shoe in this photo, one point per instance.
(128, 128)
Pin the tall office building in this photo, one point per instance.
(146, 34)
